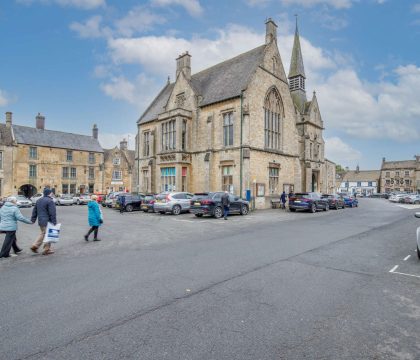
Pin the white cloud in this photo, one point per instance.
(138, 19)
(91, 28)
(258, 3)
(4, 99)
(416, 8)
(193, 7)
(338, 4)
(109, 141)
(341, 153)
(82, 4)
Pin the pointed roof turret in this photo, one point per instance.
(296, 63)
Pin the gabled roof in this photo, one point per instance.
(56, 139)
(363, 175)
(296, 63)
(220, 82)
(6, 137)
(128, 154)
(395, 165)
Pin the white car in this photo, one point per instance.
(81, 199)
(22, 201)
(36, 197)
(65, 199)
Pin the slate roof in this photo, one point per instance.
(129, 154)
(6, 137)
(405, 164)
(296, 63)
(363, 175)
(56, 139)
(220, 82)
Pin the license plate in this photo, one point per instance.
(144, 207)
(197, 204)
(297, 201)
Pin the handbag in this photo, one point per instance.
(52, 233)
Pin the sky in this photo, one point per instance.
(80, 62)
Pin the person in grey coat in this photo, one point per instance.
(9, 216)
(45, 211)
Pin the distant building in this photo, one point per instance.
(6, 157)
(119, 168)
(400, 175)
(365, 182)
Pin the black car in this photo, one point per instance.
(335, 201)
(131, 202)
(310, 201)
(148, 201)
(211, 204)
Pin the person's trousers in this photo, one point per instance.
(94, 230)
(225, 211)
(8, 243)
(40, 239)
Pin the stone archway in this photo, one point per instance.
(314, 184)
(27, 190)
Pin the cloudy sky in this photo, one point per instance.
(81, 62)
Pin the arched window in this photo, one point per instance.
(273, 114)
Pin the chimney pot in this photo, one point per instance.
(123, 144)
(183, 63)
(40, 122)
(270, 31)
(9, 119)
(95, 132)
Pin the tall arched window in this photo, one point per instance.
(273, 114)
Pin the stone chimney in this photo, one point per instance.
(95, 131)
(123, 144)
(40, 122)
(357, 169)
(270, 31)
(417, 158)
(383, 160)
(9, 119)
(183, 63)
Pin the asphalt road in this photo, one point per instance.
(271, 285)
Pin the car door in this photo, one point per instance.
(234, 204)
(187, 200)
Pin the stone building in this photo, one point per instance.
(361, 182)
(6, 157)
(119, 168)
(400, 175)
(239, 125)
(65, 162)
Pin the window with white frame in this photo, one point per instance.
(73, 173)
(32, 171)
(273, 180)
(69, 155)
(228, 129)
(116, 161)
(33, 152)
(168, 135)
(146, 143)
(407, 173)
(273, 110)
(91, 158)
(168, 178)
(91, 172)
(184, 135)
(145, 176)
(227, 178)
(65, 172)
(117, 175)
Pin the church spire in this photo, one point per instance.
(297, 73)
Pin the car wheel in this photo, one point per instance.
(78, 202)
(351, 205)
(327, 208)
(313, 208)
(176, 210)
(218, 212)
(146, 210)
(292, 210)
(198, 215)
(161, 212)
(336, 207)
(418, 252)
(244, 210)
(129, 208)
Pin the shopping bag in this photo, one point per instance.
(52, 234)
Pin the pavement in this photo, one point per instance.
(271, 285)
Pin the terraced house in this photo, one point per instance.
(239, 125)
(401, 176)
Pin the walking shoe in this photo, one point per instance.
(18, 251)
(86, 238)
(34, 249)
(96, 239)
(13, 255)
(48, 252)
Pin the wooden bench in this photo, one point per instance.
(275, 203)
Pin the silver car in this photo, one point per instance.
(173, 202)
(65, 199)
(22, 201)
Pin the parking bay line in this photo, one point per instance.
(400, 273)
(393, 269)
(407, 257)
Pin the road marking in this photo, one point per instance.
(407, 257)
(393, 269)
(399, 273)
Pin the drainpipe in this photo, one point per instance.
(241, 150)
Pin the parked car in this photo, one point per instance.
(310, 201)
(350, 201)
(148, 203)
(100, 198)
(334, 201)
(131, 202)
(65, 199)
(23, 201)
(412, 199)
(110, 199)
(211, 204)
(81, 199)
(173, 202)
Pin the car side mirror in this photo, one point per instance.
(417, 214)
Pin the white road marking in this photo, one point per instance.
(399, 273)
(407, 257)
(393, 269)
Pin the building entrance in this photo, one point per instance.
(314, 182)
(27, 190)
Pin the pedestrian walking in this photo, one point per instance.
(283, 200)
(226, 204)
(44, 210)
(9, 216)
(94, 218)
(121, 200)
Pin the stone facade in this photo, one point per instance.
(400, 176)
(119, 168)
(236, 127)
(6, 157)
(360, 182)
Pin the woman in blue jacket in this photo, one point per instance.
(9, 216)
(94, 218)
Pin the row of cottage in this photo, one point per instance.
(32, 158)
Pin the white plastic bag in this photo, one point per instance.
(52, 233)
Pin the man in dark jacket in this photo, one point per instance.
(44, 210)
(226, 204)
(283, 200)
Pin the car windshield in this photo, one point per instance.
(302, 195)
(161, 197)
(66, 197)
(149, 197)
